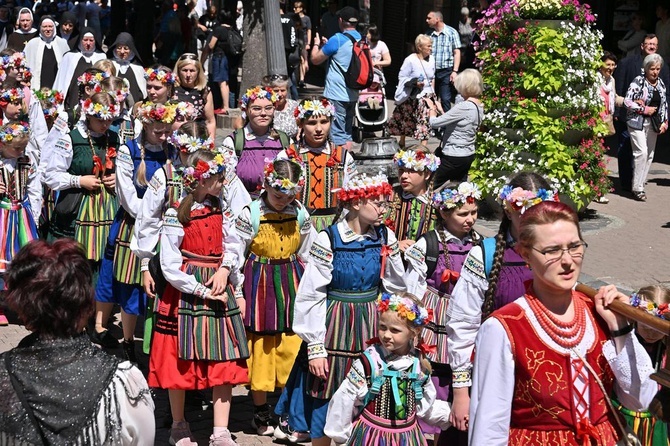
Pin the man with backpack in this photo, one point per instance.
(340, 50)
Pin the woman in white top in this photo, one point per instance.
(416, 83)
(379, 51)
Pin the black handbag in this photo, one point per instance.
(656, 122)
(157, 274)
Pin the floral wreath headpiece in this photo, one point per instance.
(18, 62)
(50, 100)
(308, 108)
(405, 308)
(9, 132)
(100, 111)
(281, 184)
(121, 94)
(257, 93)
(416, 160)
(363, 186)
(662, 311)
(185, 110)
(190, 144)
(10, 95)
(150, 112)
(203, 170)
(92, 80)
(453, 198)
(519, 199)
(165, 77)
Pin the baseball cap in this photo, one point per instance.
(348, 14)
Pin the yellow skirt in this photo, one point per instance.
(271, 359)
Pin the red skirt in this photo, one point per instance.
(168, 371)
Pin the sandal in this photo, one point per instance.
(640, 196)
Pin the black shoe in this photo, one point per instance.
(104, 338)
(301, 84)
(129, 351)
(263, 421)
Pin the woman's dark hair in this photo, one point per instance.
(49, 286)
(374, 33)
(287, 169)
(607, 55)
(528, 181)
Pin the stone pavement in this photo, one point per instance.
(629, 242)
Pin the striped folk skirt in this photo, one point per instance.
(351, 321)
(269, 288)
(126, 265)
(371, 430)
(17, 228)
(322, 218)
(93, 222)
(435, 333)
(197, 343)
(648, 429)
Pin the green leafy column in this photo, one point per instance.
(540, 60)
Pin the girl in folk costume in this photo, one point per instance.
(51, 102)
(411, 213)
(493, 275)
(13, 107)
(550, 360)
(20, 194)
(120, 279)
(387, 389)
(160, 84)
(434, 265)
(277, 234)
(335, 314)
(120, 90)
(82, 167)
(257, 140)
(327, 166)
(199, 339)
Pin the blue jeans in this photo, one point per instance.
(443, 87)
(340, 130)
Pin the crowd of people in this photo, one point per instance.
(379, 312)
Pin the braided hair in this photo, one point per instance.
(529, 181)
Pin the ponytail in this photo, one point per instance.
(501, 243)
(184, 209)
(141, 177)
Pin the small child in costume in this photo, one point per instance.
(411, 214)
(199, 340)
(654, 299)
(434, 265)
(387, 390)
(51, 101)
(277, 235)
(327, 166)
(20, 194)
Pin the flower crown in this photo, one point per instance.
(203, 170)
(308, 108)
(416, 160)
(257, 93)
(185, 110)
(100, 111)
(189, 144)
(453, 198)
(662, 311)
(165, 77)
(519, 199)
(150, 112)
(11, 95)
(121, 94)
(405, 308)
(281, 184)
(16, 60)
(50, 100)
(363, 186)
(9, 132)
(92, 80)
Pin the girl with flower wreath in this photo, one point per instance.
(349, 264)
(493, 275)
(20, 194)
(277, 235)
(51, 102)
(210, 347)
(82, 167)
(327, 166)
(387, 390)
(434, 265)
(120, 280)
(411, 214)
(258, 140)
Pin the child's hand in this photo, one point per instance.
(242, 305)
(219, 280)
(3, 188)
(109, 181)
(319, 367)
(90, 182)
(148, 284)
(404, 245)
(460, 409)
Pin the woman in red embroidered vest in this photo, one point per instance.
(542, 360)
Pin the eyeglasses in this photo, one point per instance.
(275, 77)
(189, 56)
(257, 109)
(380, 206)
(575, 250)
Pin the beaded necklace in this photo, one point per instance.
(566, 334)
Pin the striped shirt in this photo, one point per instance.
(444, 44)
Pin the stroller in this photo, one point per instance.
(371, 110)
